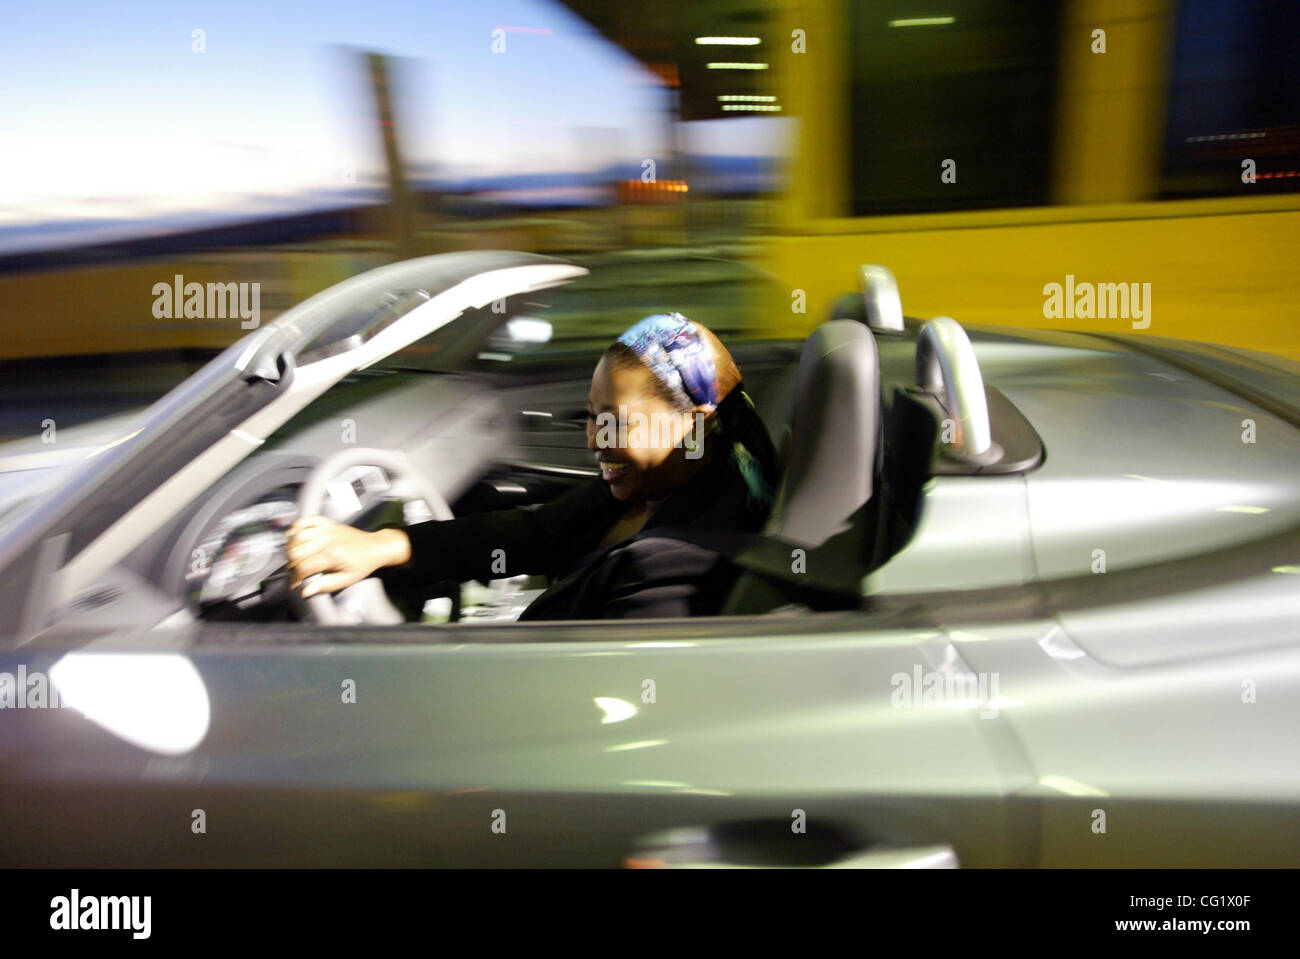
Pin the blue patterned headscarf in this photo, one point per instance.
(671, 345)
(676, 353)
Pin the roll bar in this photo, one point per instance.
(946, 366)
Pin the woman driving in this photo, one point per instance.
(679, 444)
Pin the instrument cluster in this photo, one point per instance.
(240, 551)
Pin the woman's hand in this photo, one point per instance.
(342, 554)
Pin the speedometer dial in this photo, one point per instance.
(240, 551)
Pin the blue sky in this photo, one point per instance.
(108, 112)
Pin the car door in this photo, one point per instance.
(815, 740)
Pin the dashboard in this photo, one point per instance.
(244, 547)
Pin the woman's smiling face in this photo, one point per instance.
(649, 463)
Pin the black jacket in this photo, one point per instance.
(640, 577)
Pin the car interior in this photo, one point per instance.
(857, 412)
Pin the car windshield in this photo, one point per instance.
(729, 297)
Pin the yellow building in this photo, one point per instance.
(1222, 269)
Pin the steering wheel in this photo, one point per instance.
(366, 601)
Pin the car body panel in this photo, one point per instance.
(511, 725)
(1144, 463)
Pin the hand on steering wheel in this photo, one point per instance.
(339, 555)
(346, 557)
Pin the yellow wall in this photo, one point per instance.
(109, 308)
(1217, 274)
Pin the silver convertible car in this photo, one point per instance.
(1026, 599)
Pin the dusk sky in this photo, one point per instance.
(108, 114)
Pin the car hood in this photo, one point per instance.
(31, 467)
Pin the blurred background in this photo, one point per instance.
(979, 148)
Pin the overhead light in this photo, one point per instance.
(752, 107)
(737, 66)
(727, 41)
(923, 22)
(744, 98)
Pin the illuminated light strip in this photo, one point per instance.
(751, 107)
(737, 66)
(543, 31)
(674, 186)
(923, 22)
(728, 41)
(1225, 136)
(745, 98)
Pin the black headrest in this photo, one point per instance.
(835, 434)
